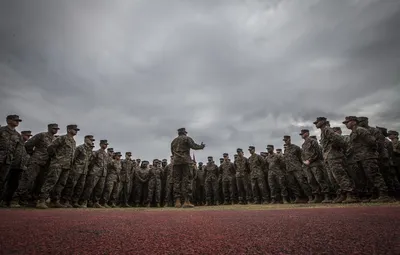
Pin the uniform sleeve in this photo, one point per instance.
(55, 145)
(31, 143)
(194, 145)
(336, 139)
(314, 148)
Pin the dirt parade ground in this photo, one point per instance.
(255, 229)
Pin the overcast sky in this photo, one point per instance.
(234, 73)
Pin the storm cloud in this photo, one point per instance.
(234, 73)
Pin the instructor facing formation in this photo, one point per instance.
(180, 149)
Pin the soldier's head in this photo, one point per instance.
(144, 164)
(350, 122)
(304, 133)
(393, 134)
(164, 162)
(13, 120)
(225, 156)
(156, 162)
(210, 159)
(363, 121)
(221, 160)
(103, 144)
(117, 155)
(128, 155)
(138, 161)
(321, 122)
(337, 130)
(53, 128)
(239, 152)
(200, 164)
(270, 148)
(26, 135)
(89, 140)
(263, 154)
(279, 151)
(285, 146)
(286, 139)
(235, 156)
(110, 151)
(182, 131)
(252, 150)
(72, 129)
(383, 131)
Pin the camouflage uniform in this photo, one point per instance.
(257, 173)
(125, 180)
(169, 184)
(227, 171)
(154, 189)
(111, 187)
(394, 152)
(141, 179)
(211, 181)
(77, 176)
(180, 148)
(276, 176)
(242, 178)
(200, 184)
(61, 152)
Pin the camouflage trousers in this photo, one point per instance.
(124, 192)
(11, 184)
(94, 187)
(4, 169)
(26, 184)
(228, 188)
(277, 182)
(169, 193)
(328, 175)
(180, 174)
(296, 178)
(54, 183)
(74, 187)
(212, 192)
(371, 170)
(111, 189)
(200, 193)
(242, 184)
(259, 188)
(338, 169)
(389, 175)
(139, 191)
(154, 190)
(358, 177)
(316, 179)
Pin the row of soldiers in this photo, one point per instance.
(48, 170)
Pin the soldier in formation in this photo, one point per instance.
(46, 170)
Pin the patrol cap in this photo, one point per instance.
(118, 154)
(225, 154)
(53, 126)
(235, 155)
(286, 137)
(383, 131)
(110, 149)
(350, 118)
(164, 160)
(104, 142)
(392, 132)
(319, 119)
(303, 131)
(128, 153)
(210, 157)
(270, 146)
(26, 132)
(200, 163)
(182, 130)
(91, 137)
(252, 148)
(145, 161)
(221, 159)
(73, 126)
(239, 150)
(362, 118)
(14, 117)
(278, 149)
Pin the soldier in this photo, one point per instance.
(364, 148)
(180, 148)
(154, 188)
(96, 178)
(228, 179)
(220, 191)
(141, 178)
(111, 187)
(61, 152)
(125, 178)
(395, 151)
(257, 173)
(200, 184)
(36, 147)
(164, 163)
(169, 183)
(26, 135)
(211, 173)
(242, 177)
(12, 158)
(293, 162)
(192, 180)
(276, 175)
(313, 166)
(77, 176)
(278, 151)
(335, 146)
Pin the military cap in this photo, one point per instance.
(263, 153)
(239, 150)
(164, 160)
(286, 137)
(182, 130)
(235, 155)
(270, 146)
(91, 137)
(225, 154)
(53, 126)
(313, 136)
(278, 149)
(337, 128)
(14, 117)
(350, 118)
(110, 149)
(145, 161)
(360, 119)
(303, 131)
(104, 142)
(383, 131)
(221, 159)
(26, 132)
(128, 153)
(73, 126)
(392, 132)
(210, 157)
(138, 159)
(319, 119)
(117, 153)
(252, 148)
(200, 163)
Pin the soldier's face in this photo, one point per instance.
(350, 124)
(337, 131)
(221, 161)
(103, 146)
(53, 131)
(270, 150)
(138, 161)
(164, 163)
(200, 164)
(72, 131)
(210, 160)
(319, 124)
(128, 156)
(13, 123)
(251, 151)
(392, 137)
(118, 157)
(88, 141)
(305, 135)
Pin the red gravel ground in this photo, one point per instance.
(353, 230)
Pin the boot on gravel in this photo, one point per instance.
(383, 199)
(327, 199)
(340, 199)
(187, 204)
(41, 204)
(106, 205)
(97, 205)
(273, 201)
(350, 199)
(158, 205)
(310, 199)
(297, 200)
(286, 200)
(67, 204)
(56, 204)
(178, 203)
(84, 204)
(14, 204)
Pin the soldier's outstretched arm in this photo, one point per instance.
(194, 145)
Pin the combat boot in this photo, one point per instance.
(56, 204)
(226, 203)
(317, 199)
(178, 203)
(41, 204)
(165, 205)
(97, 205)
(148, 205)
(232, 203)
(84, 204)
(382, 199)
(91, 204)
(14, 204)
(327, 199)
(310, 199)
(350, 198)
(76, 205)
(106, 205)
(286, 200)
(3, 204)
(113, 205)
(340, 199)
(273, 201)
(297, 200)
(158, 205)
(187, 204)
(67, 204)
(208, 203)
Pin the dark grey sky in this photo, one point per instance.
(234, 73)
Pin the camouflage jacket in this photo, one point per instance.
(334, 145)
(363, 144)
(292, 158)
(127, 170)
(114, 169)
(211, 172)
(274, 162)
(99, 163)
(180, 149)
(311, 152)
(37, 147)
(200, 175)
(155, 173)
(227, 171)
(256, 166)
(142, 175)
(242, 167)
(82, 156)
(61, 151)
(380, 142)
(10, 142)
(168, 173)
